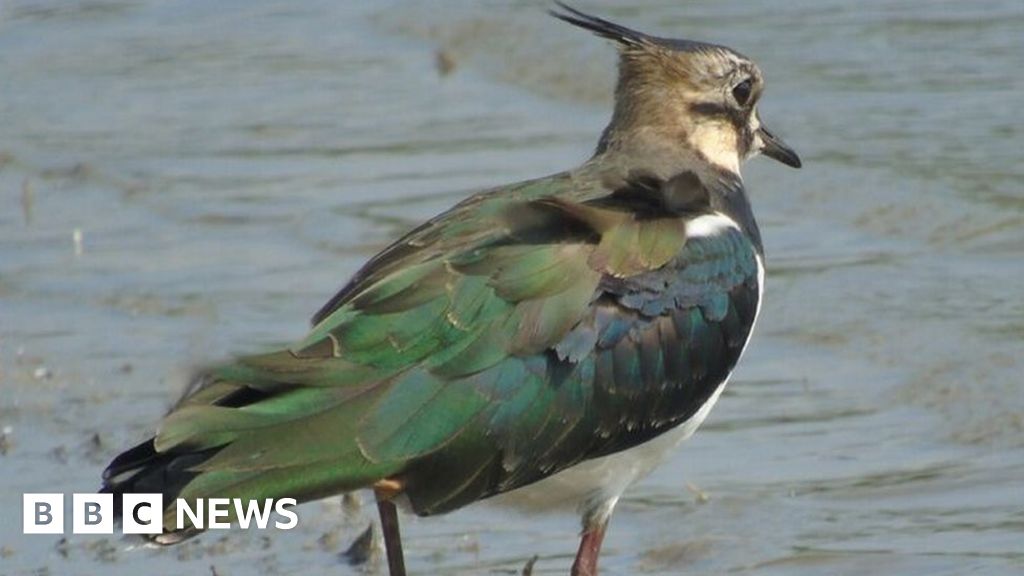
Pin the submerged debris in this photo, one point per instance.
(76, 241)
(329, 540)
(77, 171)
(103, 550)
(700, 496)
(93, 448)
(60, 454)
(42, 373)
(63, 547)
(5, 440)
(361, 550)
(444, 60)
(528, 569)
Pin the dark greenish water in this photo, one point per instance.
(229, 164)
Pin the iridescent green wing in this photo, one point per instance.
(381, 379)
(650, 351)
(494, 345)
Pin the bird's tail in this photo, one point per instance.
(143, 470)
(263, 427)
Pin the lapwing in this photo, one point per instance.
(543, 343)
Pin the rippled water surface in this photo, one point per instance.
(184, 180)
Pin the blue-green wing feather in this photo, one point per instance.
(521, 332)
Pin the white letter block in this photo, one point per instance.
(142, 513)
(92, 514)
(42, 513)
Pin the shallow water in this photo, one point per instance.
(228, 165)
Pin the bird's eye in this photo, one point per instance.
(741, 92)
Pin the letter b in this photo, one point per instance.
(43, 513)
(92, 514)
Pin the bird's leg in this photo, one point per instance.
(385, 491)
(590, 549)
(595, 522)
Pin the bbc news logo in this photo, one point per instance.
(144, 513)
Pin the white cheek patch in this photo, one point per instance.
(718, 144)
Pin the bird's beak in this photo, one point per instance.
(773, 147)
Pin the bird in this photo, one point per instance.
(548, 341)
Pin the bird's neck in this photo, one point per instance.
(653, 151)
(729, 197)
(665, 153)
(666, 138)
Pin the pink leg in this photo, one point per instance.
(590, 549)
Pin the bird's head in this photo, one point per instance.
(689, 97)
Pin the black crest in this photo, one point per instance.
(603, 28)
(627, 38)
